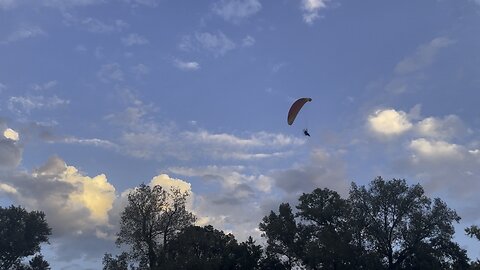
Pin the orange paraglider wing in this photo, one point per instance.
(295, 108)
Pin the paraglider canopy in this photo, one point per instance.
(295, 108)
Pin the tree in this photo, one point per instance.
(202, 248)
(325, 231)
(248, 254)
(120, 262)
(282, 236)
(150, 220)
(207, 248)
(21, 233)
(404, 226)
(387, 225)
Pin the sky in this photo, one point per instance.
(99, 96)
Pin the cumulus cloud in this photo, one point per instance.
(11, 134)
(236, 10)
(234, 197)
(72, 201)
(182, 65)
(24, 32)
(389, 122)
(25, 104)
(436, 149)
(10, 149)
(134, 39)
(312, 8)
(449, 127)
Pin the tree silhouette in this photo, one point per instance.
(150, 220)
(387, 225)
(21, 233)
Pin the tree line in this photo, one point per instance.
(386, 224)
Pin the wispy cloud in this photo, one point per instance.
(187, 66)
(148, 3)
(248, 41)
(25, 104)
(236, 10)
(7, 4)
(24, 32)
(140, 70)
(217, 43)
(94, 25)
(92, 142)
(134, 39)
(312, 8)
(45, 86)
(404, 75)
(423, 56)
(110, 73)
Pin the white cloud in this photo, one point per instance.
(94, 25)
(45, 86)
(450, 126)
(93, 142)
(236, 10)
(24, 32)
(389, 122)
(423, 56)
(134, 39)
(148, 3)
(11, 134)
(217, 43)
(25, 104)
(110, 73)
(248, 41)
(186, 65)
(166, 182)
(62, 4)
(7, 189)
(433, 149)
(71, 200)
(312, 8)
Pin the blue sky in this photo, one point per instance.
(100, 96)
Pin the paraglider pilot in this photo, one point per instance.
(305, 132)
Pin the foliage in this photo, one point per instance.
(21, 233)
(120, 262)
(149, 222)
(387, 225)
(207, 248)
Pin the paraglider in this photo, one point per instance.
(295, 109)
